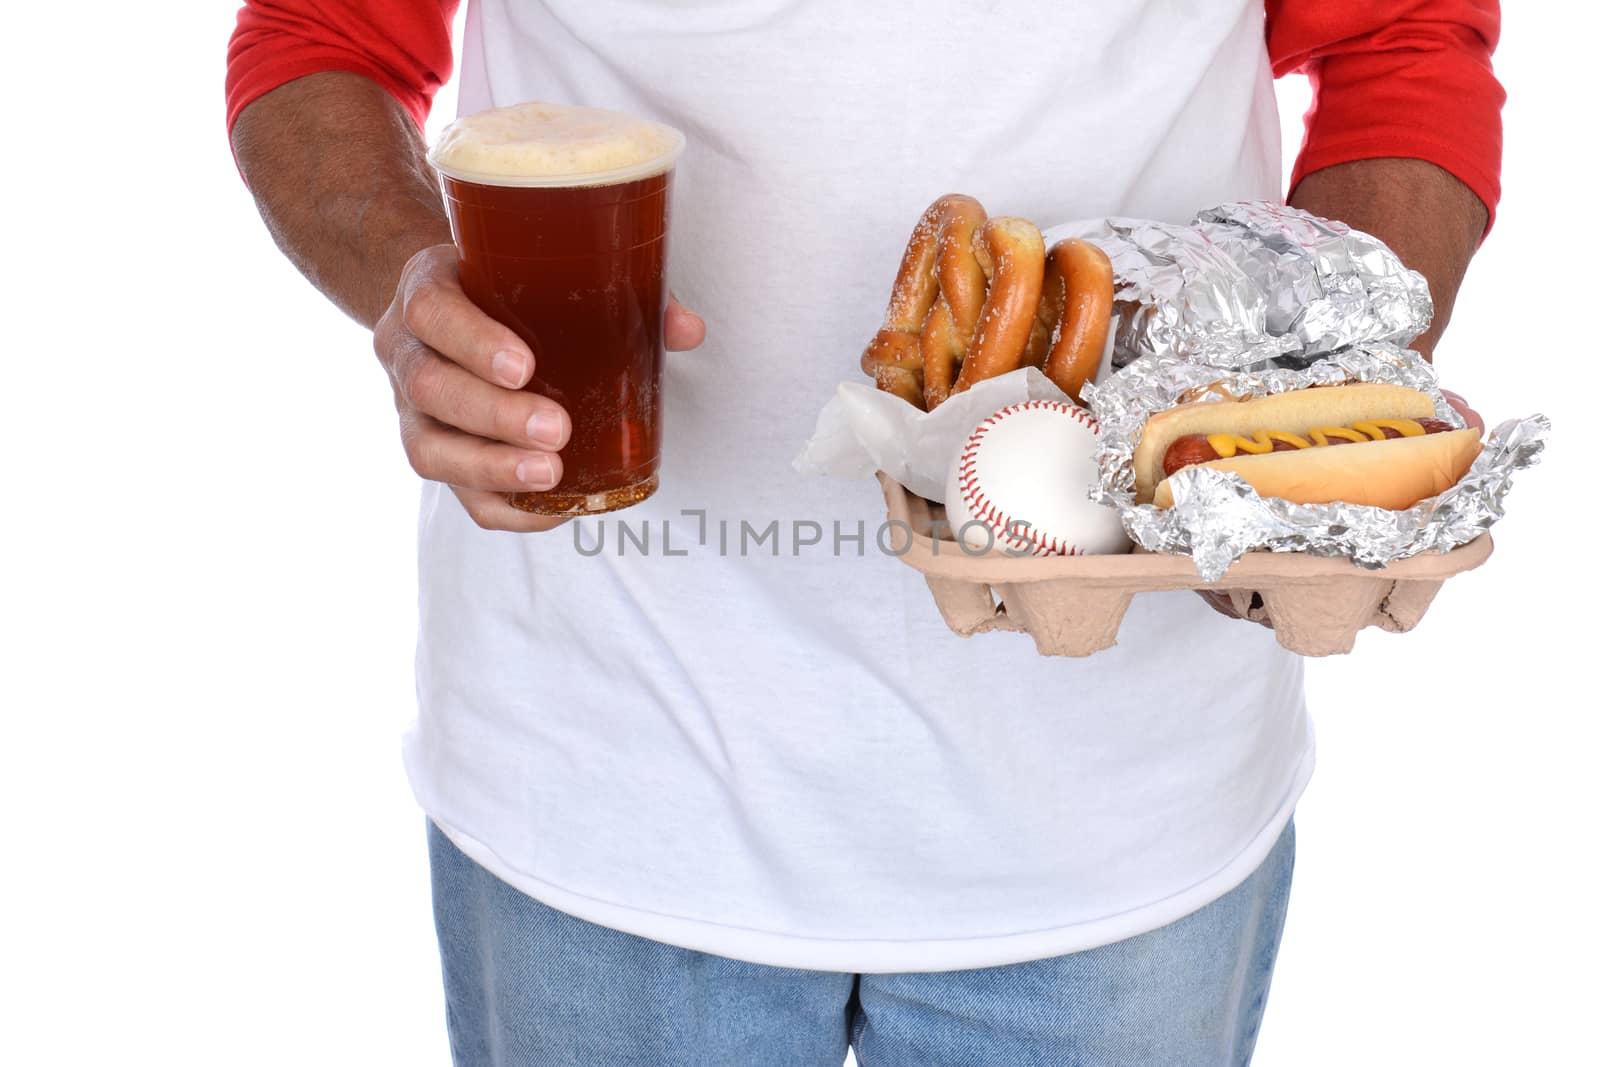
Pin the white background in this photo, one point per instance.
(210, 852)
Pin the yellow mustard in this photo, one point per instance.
(1374, 428)
(1231, 444)
(1320, 435)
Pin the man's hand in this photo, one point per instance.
(339, 173)
(1459, 402)
(457, 374)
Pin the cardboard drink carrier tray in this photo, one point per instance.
(1073, 605)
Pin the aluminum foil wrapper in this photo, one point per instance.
(1217, 517)
(1254, 285)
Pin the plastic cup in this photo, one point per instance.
(560, 218)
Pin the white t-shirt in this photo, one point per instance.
(778, 752)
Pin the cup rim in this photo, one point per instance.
(648, 168)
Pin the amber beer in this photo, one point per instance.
(560, 221)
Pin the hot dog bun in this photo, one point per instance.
(1391, 474)
(1384, 474)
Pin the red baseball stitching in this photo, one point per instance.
(980, 506)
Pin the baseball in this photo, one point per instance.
(1022, 480)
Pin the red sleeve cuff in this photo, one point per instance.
(253, 80)
(1409, 79)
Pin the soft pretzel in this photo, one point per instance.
(952, 323)
(894, 355)
(1039, 335)
(966, 305)
(1011, 253)
(1075, 307)
(894, 359)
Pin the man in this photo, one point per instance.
(747, 807)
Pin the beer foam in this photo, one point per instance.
(554, 144)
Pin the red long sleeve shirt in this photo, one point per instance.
(1406, 78)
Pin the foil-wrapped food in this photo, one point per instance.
(1216, 517)
(1253, 285)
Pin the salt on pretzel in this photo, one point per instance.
(1075, 309)
(1011, 253)
(952, 323)
(894, 355)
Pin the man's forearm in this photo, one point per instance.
(338, 172)
(1431, 220)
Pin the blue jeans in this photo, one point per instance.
(526, 986)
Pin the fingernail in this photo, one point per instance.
(537, 472)
(511, 368)
(544, 430)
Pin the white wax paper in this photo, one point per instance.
(863, 429)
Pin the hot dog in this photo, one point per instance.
(1202, 447)
(1291, 445)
